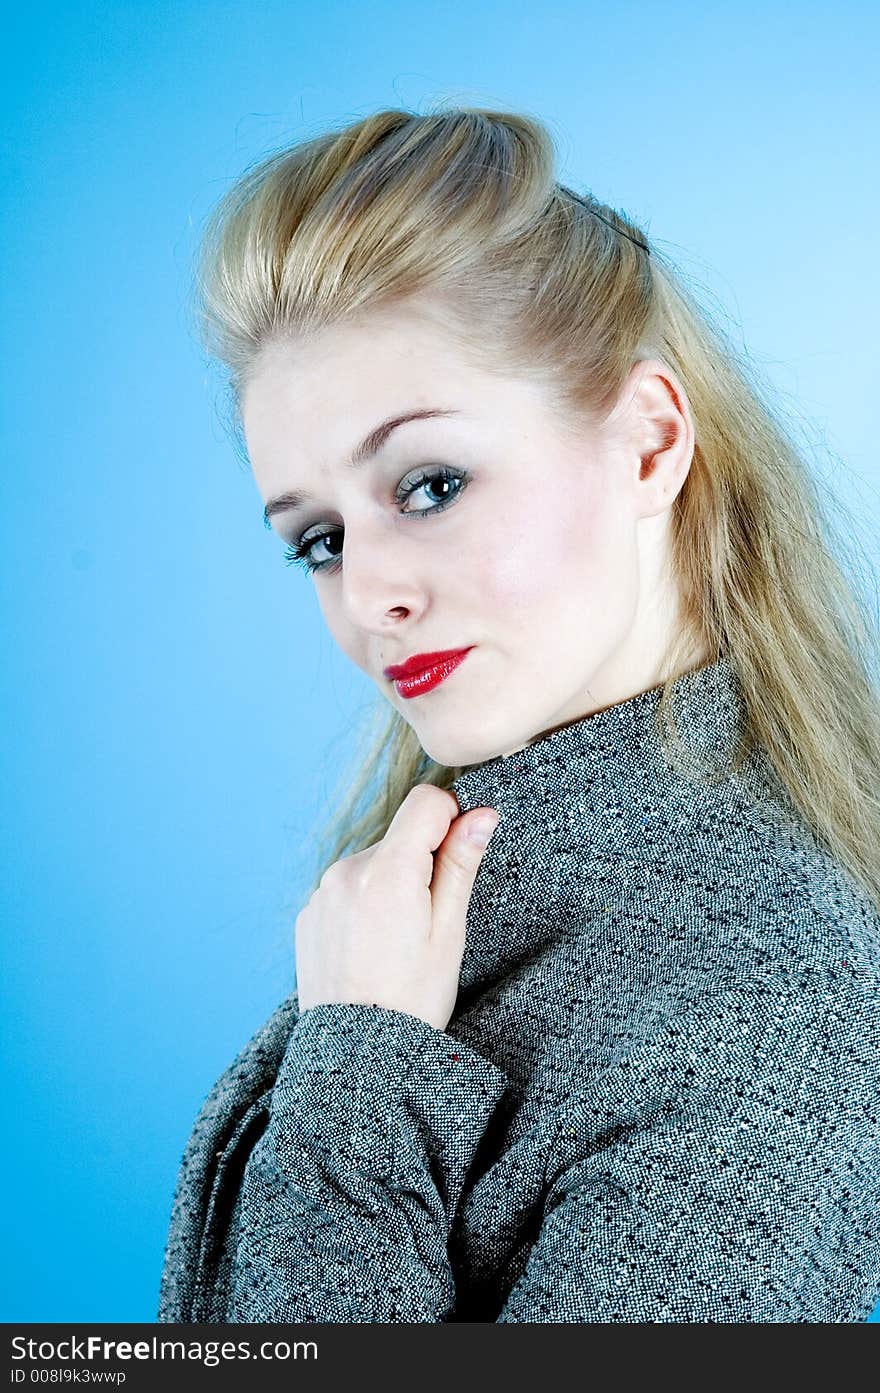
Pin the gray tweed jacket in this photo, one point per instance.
(658, 1098)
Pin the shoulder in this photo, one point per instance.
(756, 888)
(791, 1051)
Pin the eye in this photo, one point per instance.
(449, 483)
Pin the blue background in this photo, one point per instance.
(175, 720)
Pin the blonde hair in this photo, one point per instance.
(463, 204)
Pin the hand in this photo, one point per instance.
(386, 926)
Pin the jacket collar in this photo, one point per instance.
(578, 804)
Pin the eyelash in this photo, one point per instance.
(298, 554)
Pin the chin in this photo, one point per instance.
(461, 751)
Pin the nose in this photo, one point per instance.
(382, 579)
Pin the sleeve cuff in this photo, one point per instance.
(387, 1093)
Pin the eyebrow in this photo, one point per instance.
(365, 451)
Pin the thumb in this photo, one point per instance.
(456, 863)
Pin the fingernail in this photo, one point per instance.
(480, 829)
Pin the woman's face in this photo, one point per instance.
(488, 529)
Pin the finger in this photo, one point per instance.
(455, 870)
(422, 821)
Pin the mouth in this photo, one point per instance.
(425, 671)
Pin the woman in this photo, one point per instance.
(621, 1064)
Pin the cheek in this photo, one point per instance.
(558, 559)
(350, 640)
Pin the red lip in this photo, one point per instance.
(420, 662)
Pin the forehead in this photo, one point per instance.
(350, 362)
(313, 398)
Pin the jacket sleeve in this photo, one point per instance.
(727, 1170)
(374, 1122)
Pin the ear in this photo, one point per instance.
(657, 430)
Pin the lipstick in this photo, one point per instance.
(425, 671)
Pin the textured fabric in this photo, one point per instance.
(657, 1098)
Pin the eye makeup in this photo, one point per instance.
(300, 552)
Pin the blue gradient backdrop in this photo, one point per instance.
(173, 716)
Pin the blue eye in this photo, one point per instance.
(300, 553)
